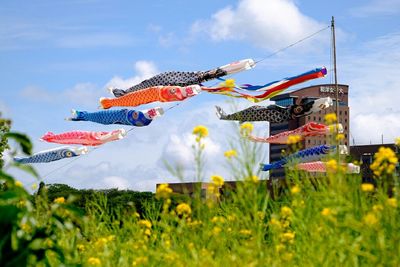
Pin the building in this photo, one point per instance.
(311, 92)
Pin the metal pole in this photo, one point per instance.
(334, 66)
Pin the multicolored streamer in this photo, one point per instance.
(53, 155)
(122, 116)
(307, 130)
(306, 155)
(271, 89)
(84, 137)
(151, 94)
(275, 113)
(185, 78)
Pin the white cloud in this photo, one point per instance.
(115, 182)
(268, 24)
(376, 8)
(374, 83)
(145, 69)
(37, 94)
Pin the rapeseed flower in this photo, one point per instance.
(18, 184)
(141, 260)
(246, 128)
(397, 141)
(217, 180)
(183, 209)
(286, 211)
(145, 223)
(367, 187)
(331, 165)
(326, 212)
(201, 131)
(293, 139)
(163, 191)
(94, 261)
(295, 190)
(392, 202)
(370, 219)
(385, 161)
(330, 118)
(59, 200)
(230, 153)
(245, 232)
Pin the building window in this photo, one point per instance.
(315, 118)
(345, 112)
(309, 141)
(345, 120)
(340, 112)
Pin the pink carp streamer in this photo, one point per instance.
(151, 94)
(320, 166)
(84, 137)
(307, 130)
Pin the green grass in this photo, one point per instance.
(324, 220)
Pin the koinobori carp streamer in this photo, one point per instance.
(122, 116)
(185, 78)
(306, 155)
(151, 94)
(52, 155)
(320, 166)
(84, 137)
(307, 130)
(275, 113)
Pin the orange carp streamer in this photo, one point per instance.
(151, 94)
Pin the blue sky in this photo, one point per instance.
(59, 55)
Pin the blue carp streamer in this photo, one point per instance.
(122, 116)
(306, 155)
(53, 155)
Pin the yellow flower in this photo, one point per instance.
(254, 179)
(18, 184)
(217, 219)
(80, 247)
(217, 180)
(392, 202)
(367, 187)
(34, 186)
(275, 222)
(183, 209)
(230, 153)
(94, 261)
(145, 223)
(288, 236)
(397, 141)
(163, 191)
(370, 219)
(293, 139)
(326, 212)
(330, 118)
(147, 232)
(286, 211)
(295, 190)
(141, 260)
(201, 131)
(339, 137)
(385, 161)
(280, 247)
(246, 128)
(59, 200)
(331, 165)
(377, 208)
(216, 230)
(245, 232)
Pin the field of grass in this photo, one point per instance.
(325, 220)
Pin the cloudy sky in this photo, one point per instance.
(60, 55)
